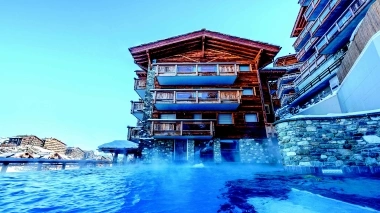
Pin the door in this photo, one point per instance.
(180, 150)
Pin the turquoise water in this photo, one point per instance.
(148, 188)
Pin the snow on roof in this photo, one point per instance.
(119, 144)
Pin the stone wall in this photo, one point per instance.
(190, 151)
(160, 151)
(261, 151)
(325, 141)
(217, 151)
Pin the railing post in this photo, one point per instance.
(63, 166)
(211, 128)
(235, 68)
(219, 97)
(154, 97)
(175, 69)
(196, 69)
(174, 97)
(181, 128)
(4, 167)
(152, 128)
(197, 98)
(217, 70)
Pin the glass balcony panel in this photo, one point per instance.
(309, 10)
(166, 69)
(165, 96)
(186, 69)
(211, 96)
(226, 69)
(332, 32)
(345, 18)
(207, 68)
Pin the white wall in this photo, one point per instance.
(328, 105)
(360, 90)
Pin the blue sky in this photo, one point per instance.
(65, 68)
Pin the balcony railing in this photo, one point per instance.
(286, 78)
(182, 128)
(303, 36)
(285, 99)
(312, 64)
(196, 69)
(307, 50)
(356, 7)
(137, 109)
(320, 77)
(134, 133)
(196, 74)
(314, 9)
(140, 86)
(284, 88)
(191, 99)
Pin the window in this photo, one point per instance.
(247, 91)
(167, 116)
(197, 116)
(225, 119)
(250, 118)
(244, 68)
(267, 108)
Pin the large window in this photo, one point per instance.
(251, 118)
(225, 119)
(247, 91)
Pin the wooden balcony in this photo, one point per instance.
(196, 99)
(134, 134)
(182, 128)
(285, 89)
(314, 9)
(341, 30)
(140, 85)
(285, 79)
(196, 74)
(137, 108)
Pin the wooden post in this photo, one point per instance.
(4, 167)
(114, 160)
(39, 167)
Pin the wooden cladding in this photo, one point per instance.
(369, 27)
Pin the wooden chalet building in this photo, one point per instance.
(75, 153)
(203, 97)
(23, 140)
(55, 145)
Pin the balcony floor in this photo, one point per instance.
(196, 80)
(195, 106)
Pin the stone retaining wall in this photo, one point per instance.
(258, 151)
(330, 141)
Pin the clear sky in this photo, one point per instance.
(65, 68)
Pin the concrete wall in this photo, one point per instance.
(360, 89)
(329, 105)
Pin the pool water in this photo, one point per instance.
(175, 188)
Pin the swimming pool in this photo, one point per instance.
(176, 188)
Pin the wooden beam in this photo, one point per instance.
(232, 52)
(149, 61)
(256, 61)
(203, 46)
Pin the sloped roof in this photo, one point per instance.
(209, 40)
(118, 144)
